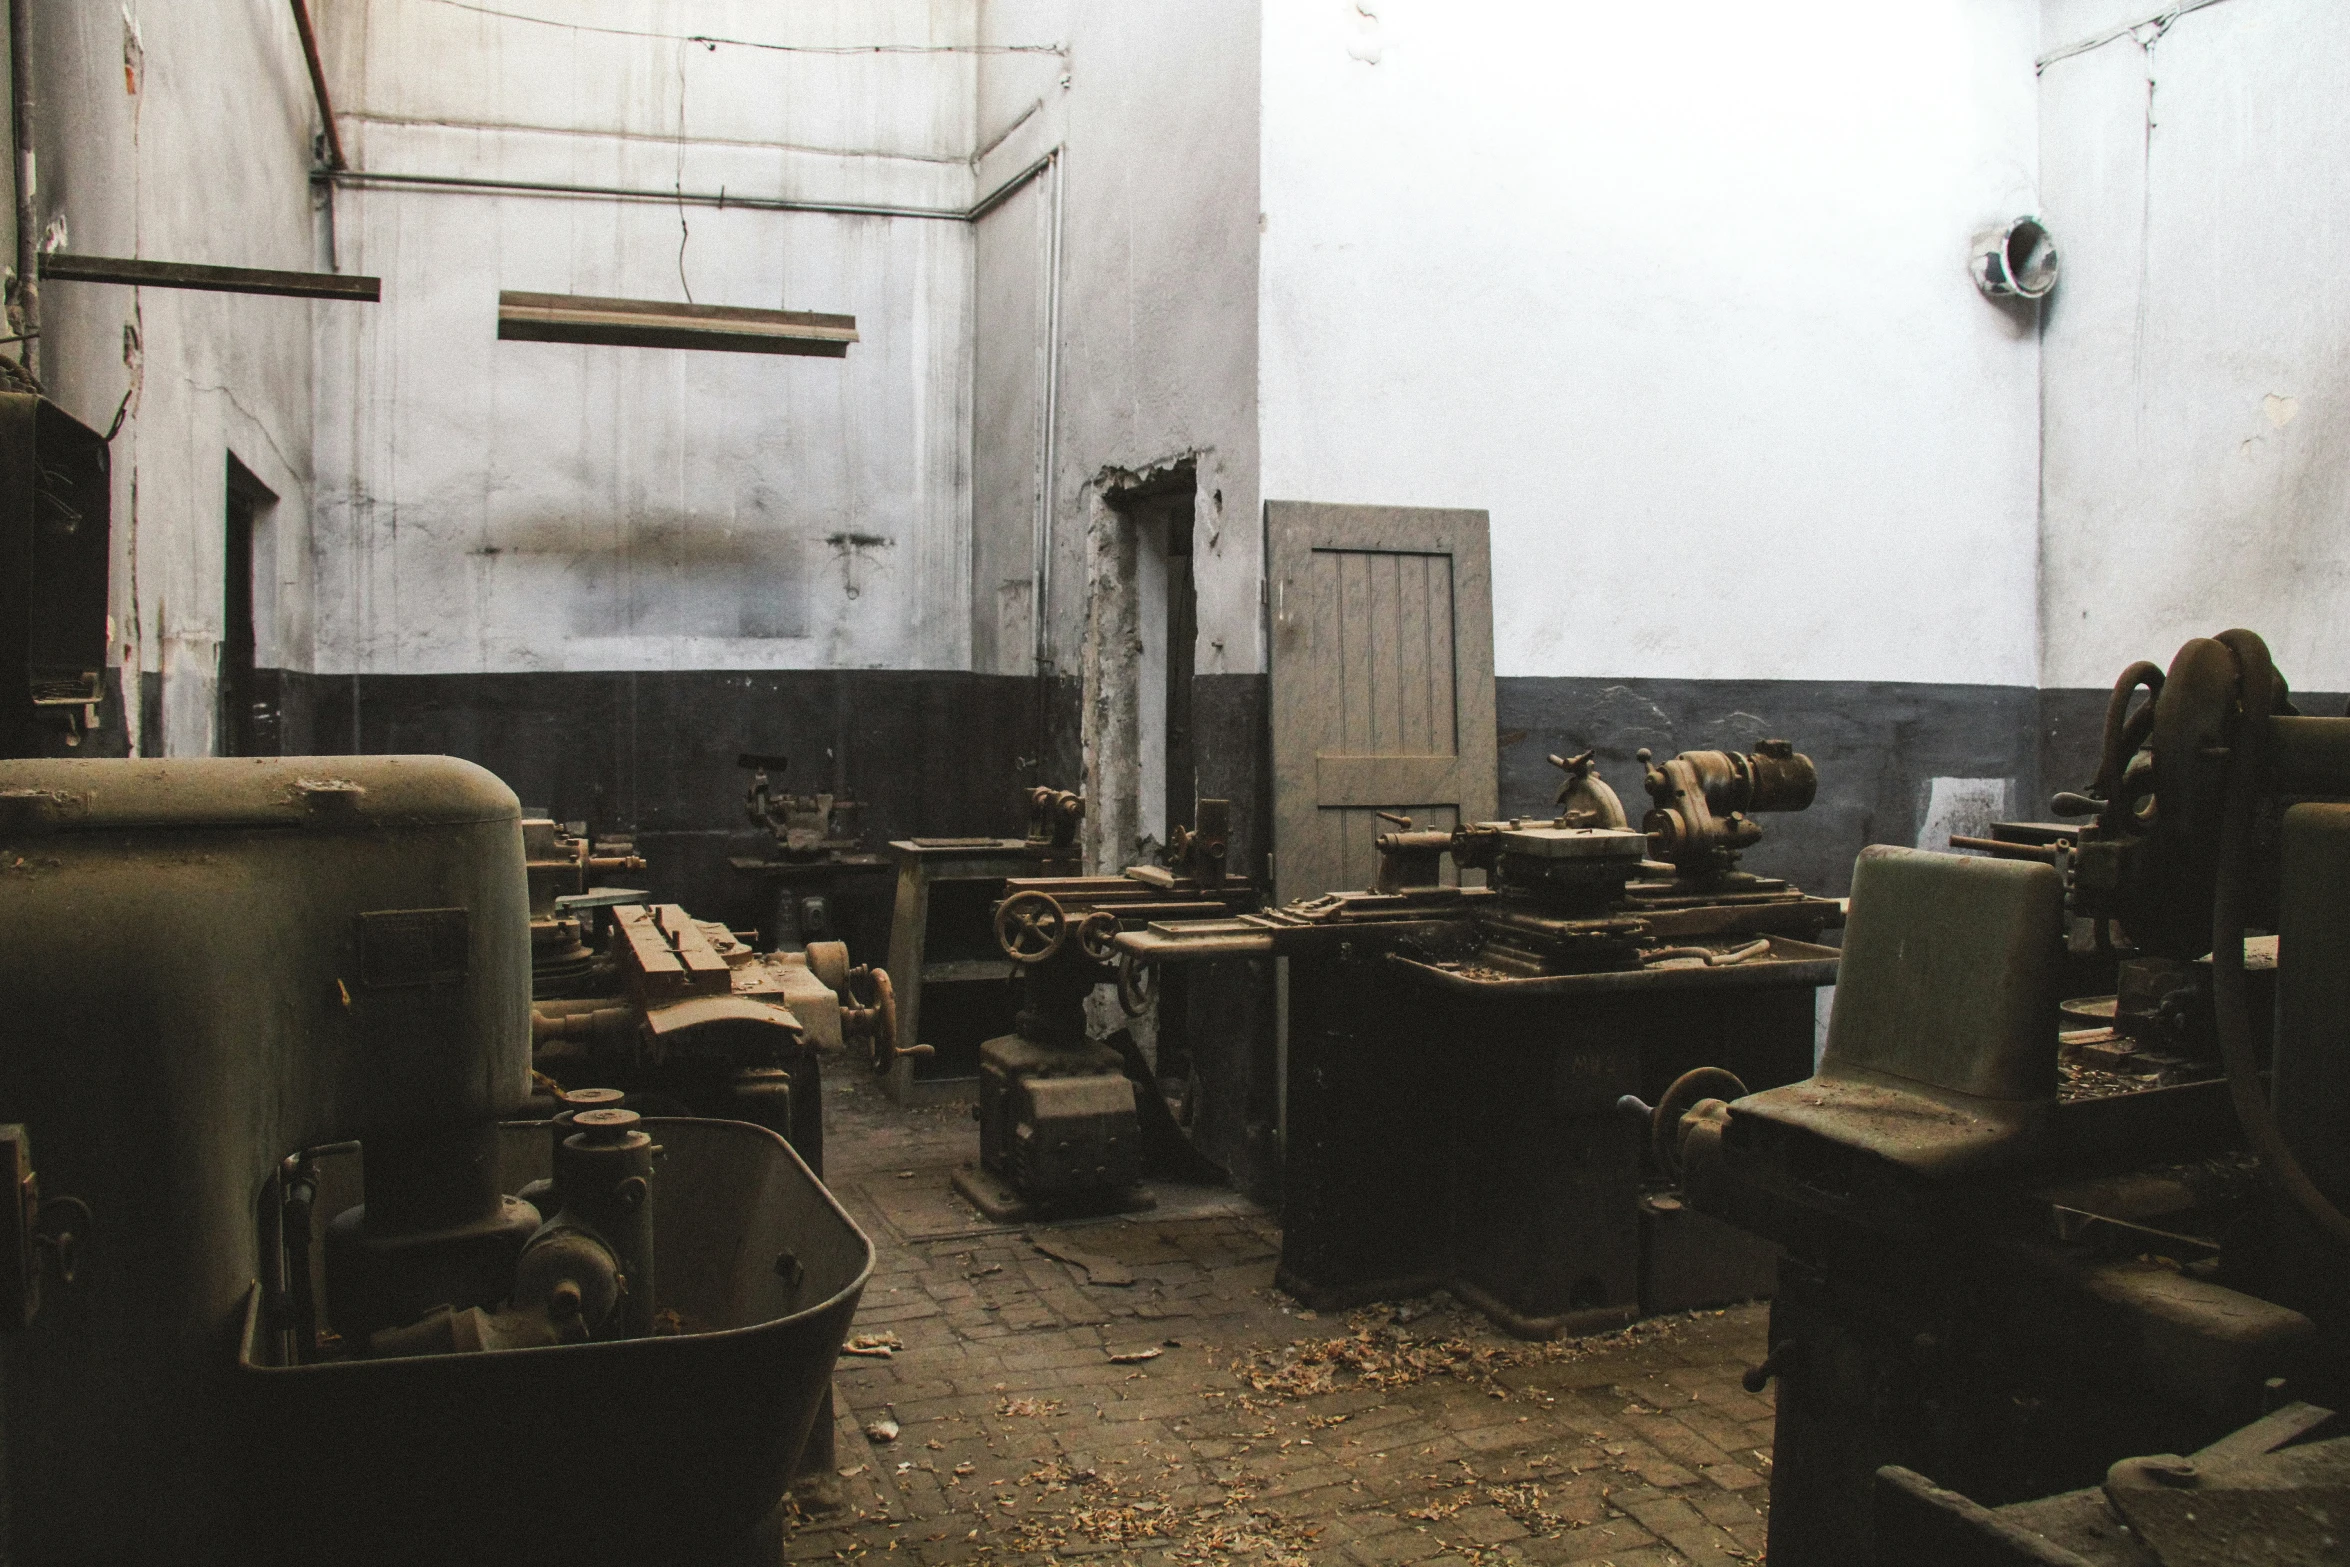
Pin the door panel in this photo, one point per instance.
(1382, 676)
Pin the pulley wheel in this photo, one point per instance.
(829, 962)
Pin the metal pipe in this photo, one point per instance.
(301, 1196)
(28, 220)
(326, 104)
(1041, 592)
(700, 198)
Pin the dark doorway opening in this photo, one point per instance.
(1182, 640)
(1164, 780)
(246, 717)
(1159, 512)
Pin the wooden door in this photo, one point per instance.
(1382, 674)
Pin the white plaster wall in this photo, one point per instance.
(513, 506)
(2197, 355)
(1154, 104)
(1679, 294)
(1012, 247)
(206, 161)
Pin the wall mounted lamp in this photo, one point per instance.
(652, 323)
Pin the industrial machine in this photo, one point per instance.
(685, 1015)
(698, 1022)
(1063, 1116)
(2268, 1495)
(1455, 1051)
(2026, 1239)
(819, 845)
(563, 862)
(295, 1285)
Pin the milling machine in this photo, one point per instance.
(1067, 1121)
(1455, 1051)
(2021, 1256)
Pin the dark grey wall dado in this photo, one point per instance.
(1232, 759)
(942, 753)
(932, 753)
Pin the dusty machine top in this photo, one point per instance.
(271, 791)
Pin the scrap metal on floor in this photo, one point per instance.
(1134, 1389)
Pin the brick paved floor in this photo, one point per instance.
(1259, 1431)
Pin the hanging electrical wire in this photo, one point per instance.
(711, 40)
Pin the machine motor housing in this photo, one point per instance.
(1057, 1123)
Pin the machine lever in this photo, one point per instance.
(1783, 1358)
(64, 1244)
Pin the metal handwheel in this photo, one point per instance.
(1030, 926)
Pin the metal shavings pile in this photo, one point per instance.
(2076, 1082)
(1523, 1500)
(1476, 971)
(1378, 1354)
(1104, 1514)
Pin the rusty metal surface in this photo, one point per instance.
(1699, 817)
(1578, 894)
(1785, 963)
(412, 1459)
(2270, 1495)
